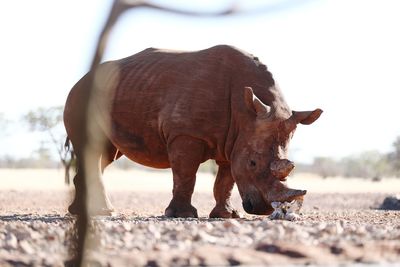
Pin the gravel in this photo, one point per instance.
(332, 229)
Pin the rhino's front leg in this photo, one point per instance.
(222, 192)
(185, 155)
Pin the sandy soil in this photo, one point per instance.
(340, 224)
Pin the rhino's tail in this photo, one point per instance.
(68, 160)
(67, 144)
(68, 148)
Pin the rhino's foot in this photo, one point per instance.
(74, 207)
(224, 212)
(106, 210)
(181, 211)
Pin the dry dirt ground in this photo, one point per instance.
(340, 225)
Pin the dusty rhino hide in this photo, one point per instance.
(174, 109)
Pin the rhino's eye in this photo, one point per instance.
(252, 163)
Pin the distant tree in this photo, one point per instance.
(3, 124)
(325, 167)
(369, 164)
(394, 157)
(49, 120)
(45, 120)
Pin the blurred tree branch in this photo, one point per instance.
(48, 120)
(3, 124)
(394, 157)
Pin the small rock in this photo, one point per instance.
(292, 217)
(333, 228)
(11, 241)
(231, 223)
(127, 227)
(211, 256)
(160, 247)
(391, 203)
(280, 230)
(23, 233)
(208, 226)
(203, 236)
(26, 247)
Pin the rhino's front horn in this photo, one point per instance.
(281, 168)
(285, 194)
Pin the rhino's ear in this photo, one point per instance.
(306, 117)
(254, 104)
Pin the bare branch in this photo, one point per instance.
(128, 4)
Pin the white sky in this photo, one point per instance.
(341, 56)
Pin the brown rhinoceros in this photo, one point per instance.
(174, 109)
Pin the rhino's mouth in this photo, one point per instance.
(253, 202)
(259, 198)
(257, 206)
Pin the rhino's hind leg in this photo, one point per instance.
(99, 204)
(222, 192)
(185, 156)
(74, 206)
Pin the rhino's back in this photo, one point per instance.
(164, 94)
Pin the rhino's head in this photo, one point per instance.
(259, 161)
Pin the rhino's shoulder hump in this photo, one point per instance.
(222, 50)
(229, 50)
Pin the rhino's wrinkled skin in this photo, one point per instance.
(169, 109)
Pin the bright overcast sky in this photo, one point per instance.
(341, 56)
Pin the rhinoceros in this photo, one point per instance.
(177, 109)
